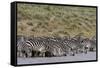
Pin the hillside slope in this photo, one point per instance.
(44, 20)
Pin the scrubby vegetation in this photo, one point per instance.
(51, 20)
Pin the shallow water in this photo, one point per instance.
(77, 57)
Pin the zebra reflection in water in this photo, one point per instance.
(53, 46)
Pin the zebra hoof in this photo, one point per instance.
(65, 55)
(73, 54)
(85, 52)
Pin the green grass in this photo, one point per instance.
(44, 20)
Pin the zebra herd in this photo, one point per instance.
(53, 46)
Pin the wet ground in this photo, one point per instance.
(77, 57)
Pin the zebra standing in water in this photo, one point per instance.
(86, 45)
(72, 45)
(63, 46)
(53, 47)
(93, 44)
(37, 46)
(23, 50)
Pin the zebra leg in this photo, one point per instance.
(81, 50)
(43, 54)
(86, 52)
(91, 49)
(72, 52)
(65, 54)
(48, 54)
(77, 51)
(23, 53)
(20, 54)
(26, 55)
(37, 54)
(30, 54)
(86, 49)
(33, 53)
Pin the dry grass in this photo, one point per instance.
(44, 20)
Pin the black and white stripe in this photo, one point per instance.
(23, 50)
(53, 46)
(37, 45)
(86, 45)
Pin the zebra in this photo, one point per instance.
(53, 47)
(19, 46)
(23, 50)
(93, 43)
(93, 46)
(60, 48)
(66, 49)
(78, 42)
(86, 45)
(37, 46)
(74, 46)
(64, 45)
